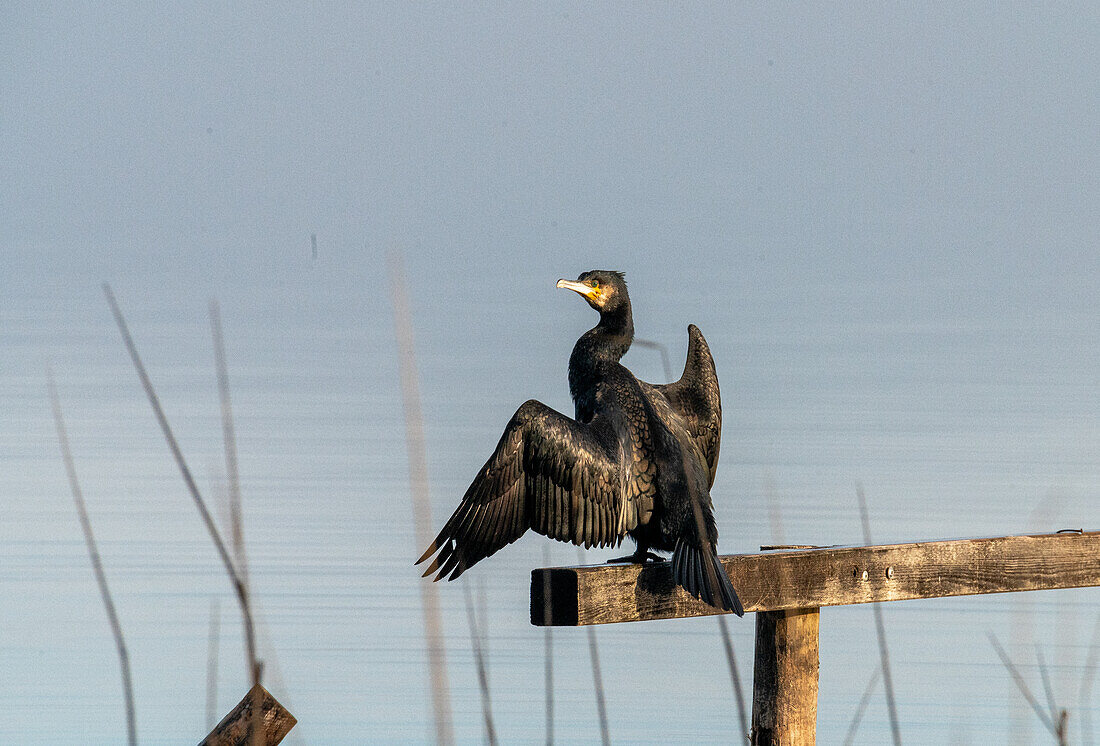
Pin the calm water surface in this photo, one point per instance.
(957, 424)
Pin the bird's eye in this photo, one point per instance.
(595, 284)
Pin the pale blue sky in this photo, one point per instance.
(883, 217)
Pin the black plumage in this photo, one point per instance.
(638, 459)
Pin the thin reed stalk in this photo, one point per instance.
(723, 628)
(476, 641)
(735, 678)
(97, 563)
(1048, 690)
(232, 470)
(212, 664)
(862, 706)
(775, 512)
(597, 676)
(236, 522)
(422, 510)
(1046, 719)
(239, 586)
(1084, 693)
(666, 362)
(548, 648)
(880, 630)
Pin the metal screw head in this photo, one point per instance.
(889, 572)
(863, 575)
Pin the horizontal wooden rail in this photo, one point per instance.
(826, 576)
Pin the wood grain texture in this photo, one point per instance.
(784, 678)
(828, 576)
(235, 728)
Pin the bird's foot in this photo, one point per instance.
(637, 558)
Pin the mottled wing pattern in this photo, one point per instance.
(549, 473)
(640, 475)
(696, 398)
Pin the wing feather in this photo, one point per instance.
(697, 400)
(549, 473)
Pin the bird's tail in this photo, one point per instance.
(700, 573)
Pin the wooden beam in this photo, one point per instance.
(784, 678)
(235, 729)
(828, 576)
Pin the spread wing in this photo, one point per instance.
(696, 398)
(549, 473)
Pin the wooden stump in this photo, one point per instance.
(784, 678)
(235, 729)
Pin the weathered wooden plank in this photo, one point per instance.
(235, 729)
(784, 678)
(828, 576)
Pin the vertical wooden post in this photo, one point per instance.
(784, 678)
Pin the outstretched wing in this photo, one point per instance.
(549, 473)
(695, 397)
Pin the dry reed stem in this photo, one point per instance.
(597, 676)
(212, 664)
(93, 555)
(862, 706)
(476, 641)
(663, 350)
(727, 642)
(239, 586)
(1084, 693)
(236, 523)
(1044, 718)
(1048, 690)
(880, 629)
(422, 511)
(735, 678)
(548, 648)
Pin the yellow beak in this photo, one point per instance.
(577, 287)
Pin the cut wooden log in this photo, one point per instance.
(828, 576)
(235, 729)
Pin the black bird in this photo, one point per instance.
(638, 460)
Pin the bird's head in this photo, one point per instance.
(605, 290)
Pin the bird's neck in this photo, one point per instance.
(606, 342)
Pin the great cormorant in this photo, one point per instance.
(638, 460)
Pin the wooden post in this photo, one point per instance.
(784, 678)
(235, 728)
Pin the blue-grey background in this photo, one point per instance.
(883, 218)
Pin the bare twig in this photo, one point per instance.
(235, 579)
(862, 706)
(880, 628)
(97, 564)
(422, 509)
(479, 661)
